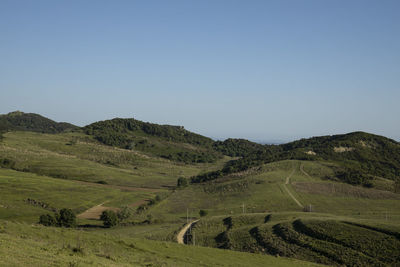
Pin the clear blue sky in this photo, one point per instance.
(262, 70)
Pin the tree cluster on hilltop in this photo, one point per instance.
(359, 156)
(162, 140)
(19, 121)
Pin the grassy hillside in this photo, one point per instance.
(26, 245)
(301, 200)
(26, 196)
(170, 142)
(358, 158)
(19, 121)
(265, 190)
(302, 236)
(79, 157)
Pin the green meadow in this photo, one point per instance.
(24, 245)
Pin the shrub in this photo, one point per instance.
(203, 213)
(47, 220)
(66, 218)
(182, 182)
(124, 213)
(109, 218)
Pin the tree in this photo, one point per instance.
(124, 213)
(182, 182)
(66, 218)
(109, 218)
(203, 213)
(47, 220)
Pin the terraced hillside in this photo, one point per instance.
(26, 245)
(308, 237)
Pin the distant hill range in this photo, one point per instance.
(20, 121)
(357, 157)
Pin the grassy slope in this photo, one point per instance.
(25, 245)
(263, 191)
(307, 236)
(358, 158)
(16, 187)
(77, 156)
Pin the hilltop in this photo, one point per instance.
(166, 141)
(357, 158)
(20, 121)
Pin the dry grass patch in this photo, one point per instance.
(341, 149)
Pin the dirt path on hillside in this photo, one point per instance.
(303, 171)
(288, 191)
(94, 213)
(183, 231)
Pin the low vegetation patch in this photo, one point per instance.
(342, 190)
(64, 218)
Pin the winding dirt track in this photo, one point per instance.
(303, 171)
(288, 191)
(180, 237)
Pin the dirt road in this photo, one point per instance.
(288, 191)
(303, 171)
(183, 231)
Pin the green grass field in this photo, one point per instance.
(263, 191)
(23, 245)
(17, 187)
(321, 238)
(76, 156)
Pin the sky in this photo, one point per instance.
(261, 70)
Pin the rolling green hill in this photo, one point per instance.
(237, 147)
(19, 121)
(166, 141)
(358, 158)
(301, 200)
(27, 245)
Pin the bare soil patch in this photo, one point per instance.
(138, 203)
(341, 149)
(94, 213)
